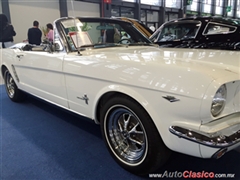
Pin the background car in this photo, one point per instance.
(149, 101)
(199, 32)
(138, 24)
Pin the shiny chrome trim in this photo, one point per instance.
(226, 25)
(219, 153)
(10, 84)
(211, 140)
(125, 135)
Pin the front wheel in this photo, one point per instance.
(131, 136)
(13, 92)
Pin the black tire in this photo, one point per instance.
(131, 136)
(12, 90)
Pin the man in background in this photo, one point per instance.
(35, 34)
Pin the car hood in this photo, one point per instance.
(214, 63)
(177, 71)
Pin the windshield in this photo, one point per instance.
(176, 31)
(83, 32)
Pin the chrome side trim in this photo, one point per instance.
(230, 32)
(211, 140)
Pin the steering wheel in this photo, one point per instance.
(124, 39)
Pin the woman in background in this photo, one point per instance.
(49, 34)
(6, 32)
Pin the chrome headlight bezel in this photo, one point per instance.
(219, 100)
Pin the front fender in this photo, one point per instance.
(162, 112)
(9, 60)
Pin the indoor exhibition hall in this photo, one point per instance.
(119, 89)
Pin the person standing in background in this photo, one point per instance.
(35, 34)
(111, 34)
(6, 32)
(49, 34)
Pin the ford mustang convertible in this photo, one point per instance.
(149, 101)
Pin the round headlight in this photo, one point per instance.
(219, 100)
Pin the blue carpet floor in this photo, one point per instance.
(39, 141)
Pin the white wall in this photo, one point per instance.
(83, 9)
(24, 12)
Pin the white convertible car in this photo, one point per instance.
(148, 100)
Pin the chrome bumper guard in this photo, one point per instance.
(210, 140)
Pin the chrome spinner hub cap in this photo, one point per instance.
(10, 85)
(126, 135)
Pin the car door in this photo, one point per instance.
(81, 81)
(40, 73)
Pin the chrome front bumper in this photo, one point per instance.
(210, 140)
(221, 133)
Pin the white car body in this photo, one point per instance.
(149, 75)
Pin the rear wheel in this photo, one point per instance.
(13, 92)
(131, 136)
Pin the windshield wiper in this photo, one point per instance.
(98, 45)
(105, 45)
(142, 44)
